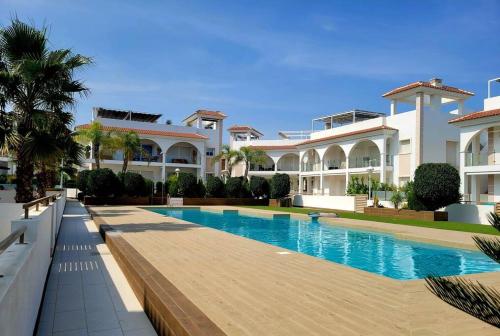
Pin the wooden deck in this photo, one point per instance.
(246, 288)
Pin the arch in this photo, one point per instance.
(363, 154)
(289, 162)
(311, 160)
(479, 148)
(334, 158)
(268, 165)
(183, 153)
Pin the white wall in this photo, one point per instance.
(9, 212)
(25, 270)
(326, 202)
(469, 213)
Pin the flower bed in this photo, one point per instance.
(408, 214)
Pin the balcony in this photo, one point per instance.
(481, 159)
(364, 162)
(334, 164)
(264, 167)
(311, 167)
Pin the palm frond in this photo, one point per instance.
(494, 220)
(473, 298)
(489, 246)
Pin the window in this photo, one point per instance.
(405, 147)
(210, 151)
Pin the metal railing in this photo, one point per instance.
(308, 167)
(334, 164)
(254, 167)
(36, 203)
(480, 159)
(364, 162)
(10, 239)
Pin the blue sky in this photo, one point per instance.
(271, 64)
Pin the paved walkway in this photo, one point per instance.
(87, 293)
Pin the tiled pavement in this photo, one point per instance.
(87, 293)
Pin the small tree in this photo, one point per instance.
(251, 156)
(472, 297)
(259, 186)
(187, 185)
(357, 186)
(82, 181)
(436, 185)
(232, 157)
(215, 187)
(397, 199)
(280, 185)
(234, 186)
(103, 183)
(173, 185)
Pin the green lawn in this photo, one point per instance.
(454, 226)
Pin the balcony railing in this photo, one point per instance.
(254, 167)
(309, 167)
(288, 167)
(334, 164)
(480, 159)
(364, 162)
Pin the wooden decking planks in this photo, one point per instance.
(246, 288)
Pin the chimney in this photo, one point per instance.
(437, 82)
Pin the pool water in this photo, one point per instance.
(374, 252)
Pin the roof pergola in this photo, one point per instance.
(348, 117)
(126, 115)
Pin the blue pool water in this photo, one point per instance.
(369, 251)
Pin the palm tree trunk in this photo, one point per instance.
(246, 169)
(97, 156)
(43, 182)
(125, 164)
(24, 177)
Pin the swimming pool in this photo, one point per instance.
(374, 252)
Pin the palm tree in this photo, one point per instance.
(36, 82)
(231, 156)
(97, 137)
(473, 298)
(251, 156)
(129, 143)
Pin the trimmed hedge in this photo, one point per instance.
(436, 185)
(215, 187)
(103, 183)
(187, 185)
(134, 184)
(200, 189)
(82, 181)
(259, 186)
(280, 185)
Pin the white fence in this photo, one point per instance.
(24, 268)
(325, 202)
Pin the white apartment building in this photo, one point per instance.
(479, 160)
(166, 148)
(387, 147)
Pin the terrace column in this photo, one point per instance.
(163, 172)
(419, 125)
(346, 173)
(474, 188)
(382, 162)
(300, 185)
(394, 107)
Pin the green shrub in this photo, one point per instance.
(133, 183)
(173, 185)
(103, 183)
(436, 185)
(187, 185)
(200, 189)
(234, 187)
(357, 186)
(148, 188)
(259, 186)
(82, 181)
(158, 187)
(280, 185)
(215, 187)
(3, 179)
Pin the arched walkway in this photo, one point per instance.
(364, 154)
(183, 153)
(289, 162)
(311, 161)
(334, 158)
(268, 165)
